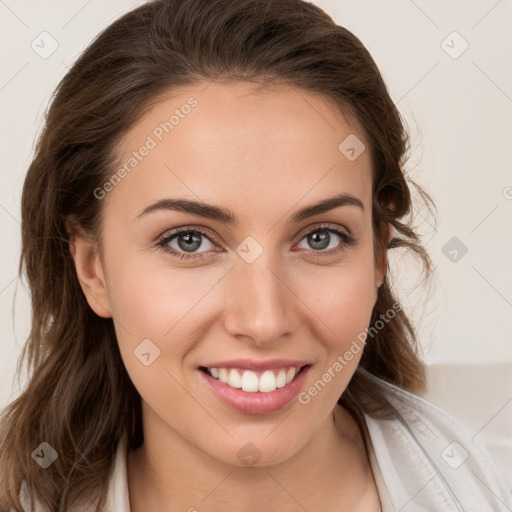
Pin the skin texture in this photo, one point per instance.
(262, 155)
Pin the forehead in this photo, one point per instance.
(232, 143)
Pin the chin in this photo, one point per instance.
(258, 453)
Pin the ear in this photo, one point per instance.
(89, 270)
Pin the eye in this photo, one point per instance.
(184, 243)
(322, 241)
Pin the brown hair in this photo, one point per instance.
(79, 389)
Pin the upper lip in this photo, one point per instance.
(255, 365)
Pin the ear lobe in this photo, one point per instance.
(89, 270)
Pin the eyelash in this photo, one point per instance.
(347, 241)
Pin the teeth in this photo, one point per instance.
(234, 379)
(249, 381)
(268, 381)
(281, 379)
(290, 374)
(223, 375)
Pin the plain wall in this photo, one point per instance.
(458, 111)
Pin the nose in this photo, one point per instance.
(260, 303)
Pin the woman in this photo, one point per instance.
(205, 232)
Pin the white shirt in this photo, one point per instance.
(423, 460)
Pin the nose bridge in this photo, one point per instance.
(260, 303)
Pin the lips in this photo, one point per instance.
(252, 375)
(255, 387)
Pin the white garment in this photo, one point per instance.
(429, 461)
(423, 460)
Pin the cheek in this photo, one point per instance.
(342, 297)
(172, 307)
(349, 306)
(153, 301)
(156, 316)
(339, 303)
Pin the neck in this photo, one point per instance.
(168, 473)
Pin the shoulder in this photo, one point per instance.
(429, 459)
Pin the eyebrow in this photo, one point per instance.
(226, 216)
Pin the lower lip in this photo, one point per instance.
(256, 402)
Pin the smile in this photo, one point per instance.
(255, 392)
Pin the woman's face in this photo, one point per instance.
(256, 288)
